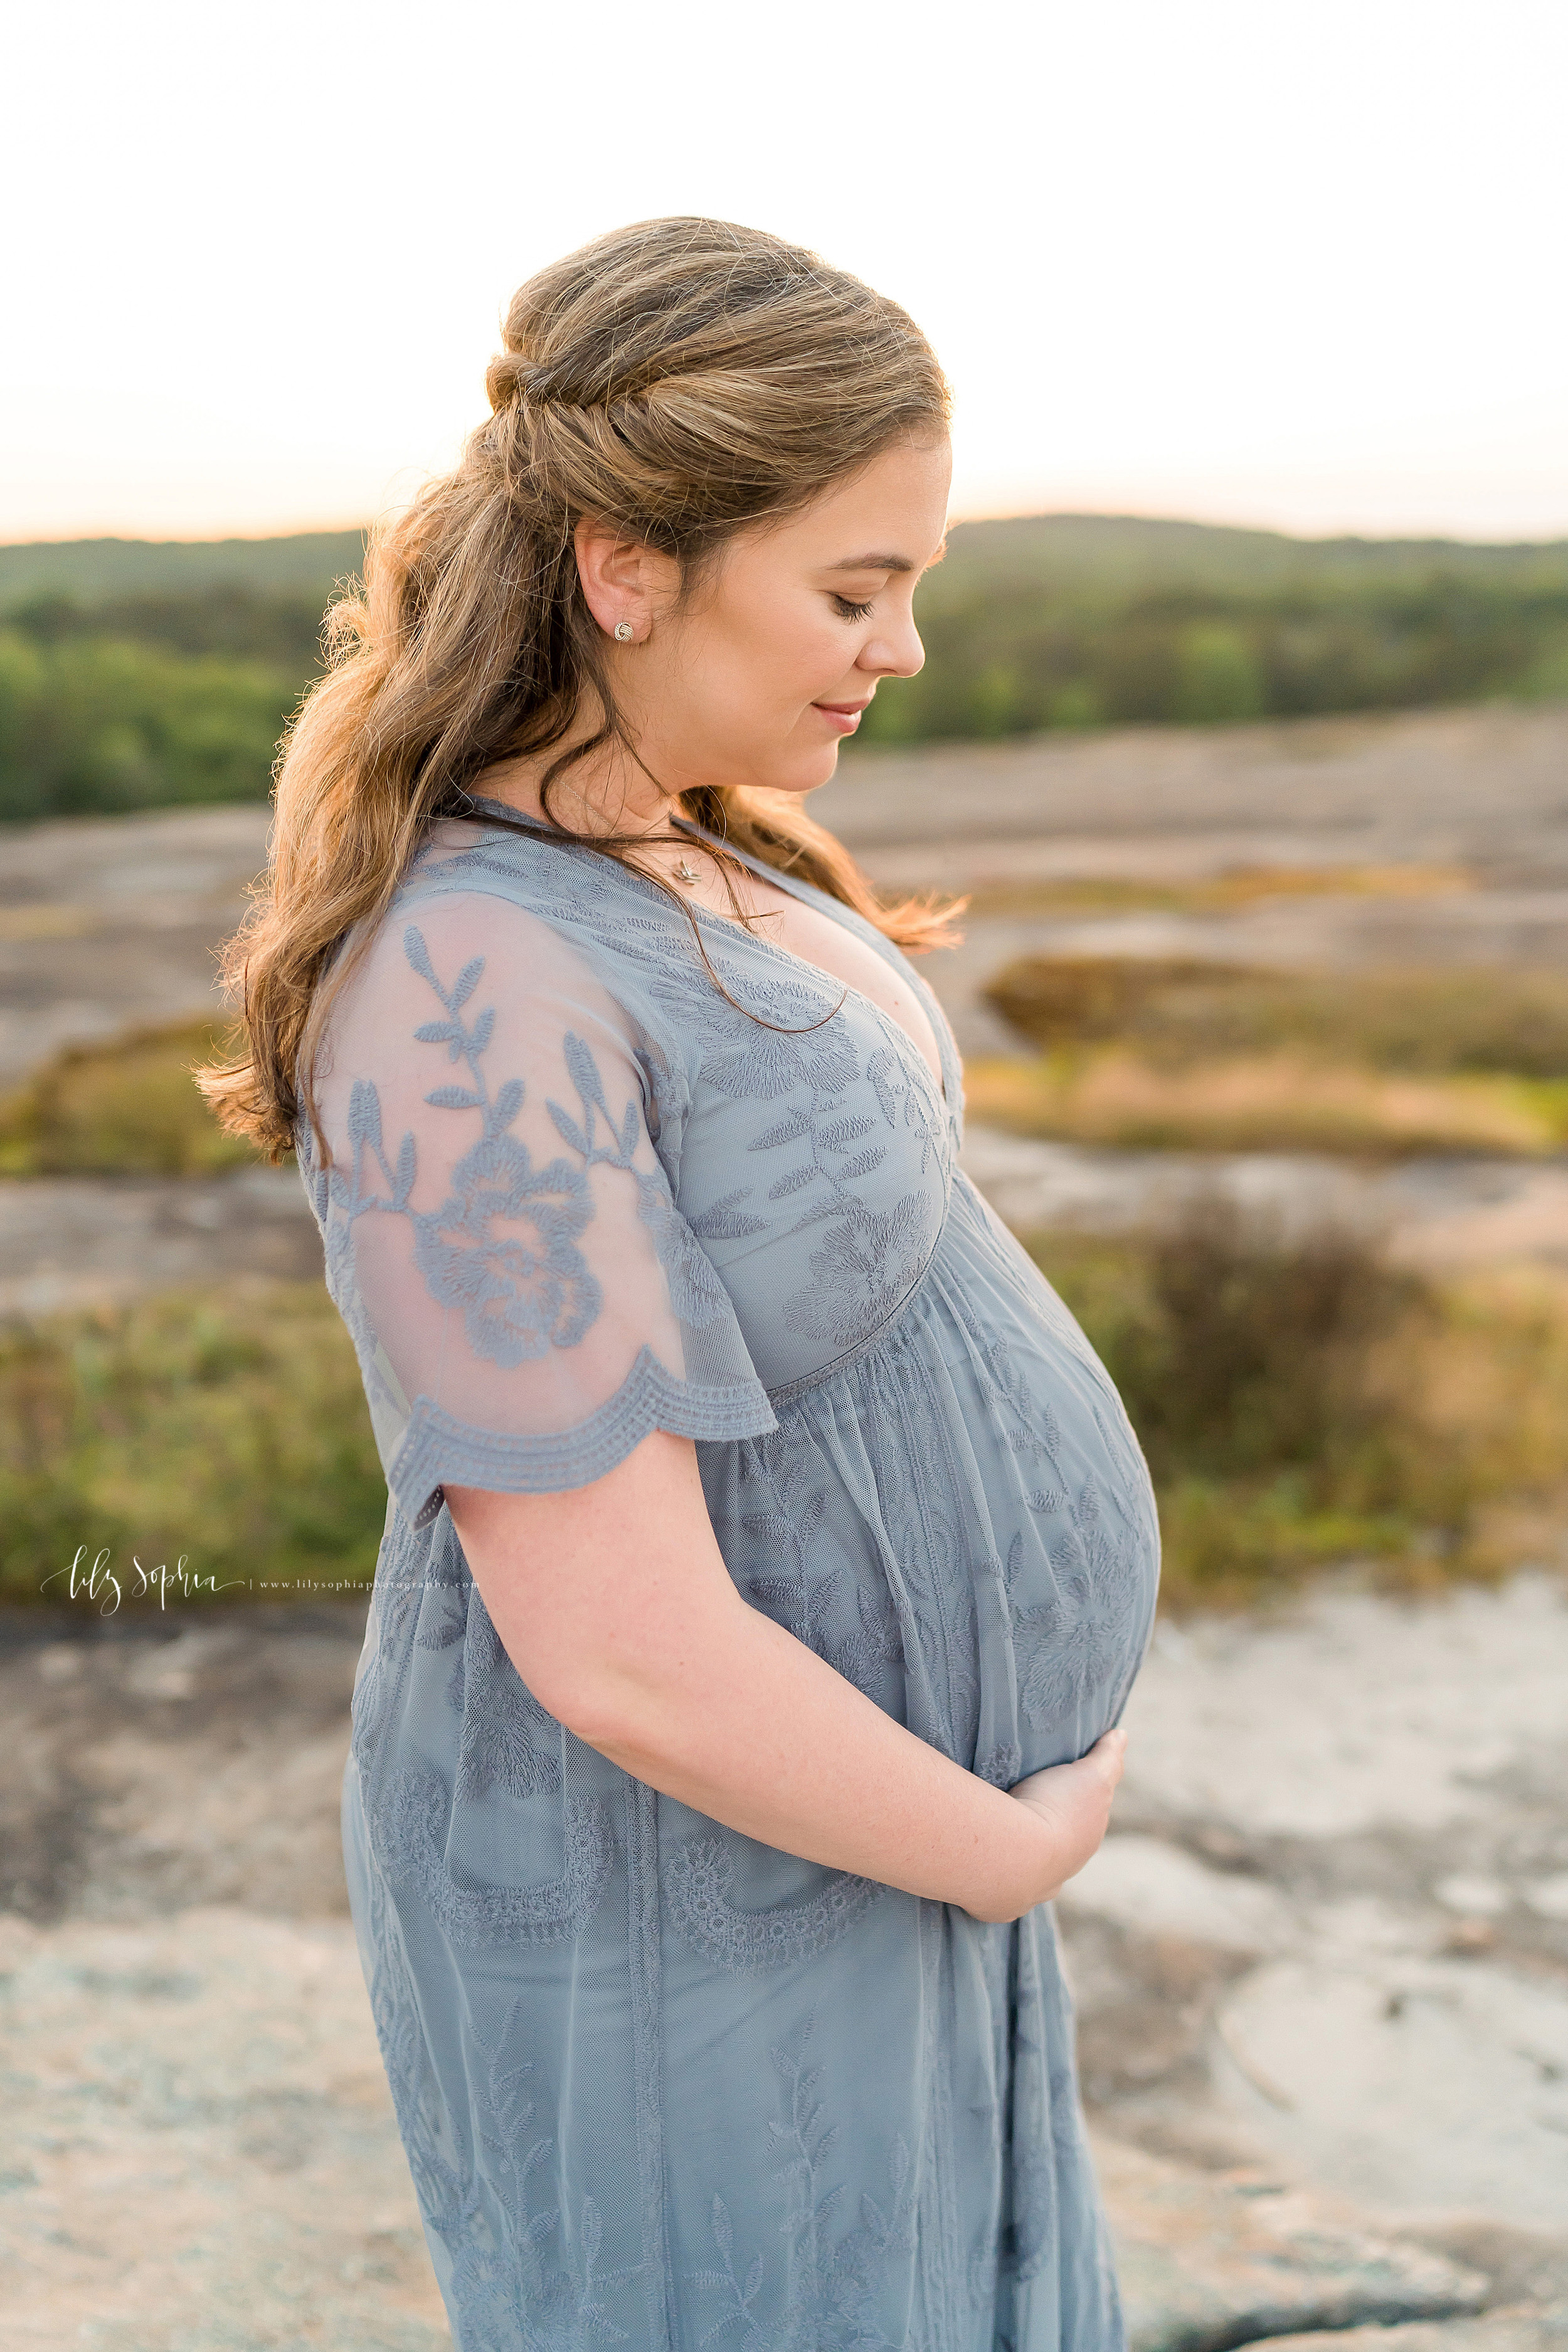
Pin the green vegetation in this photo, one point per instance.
(227, 1429)
(125, 1108)
(1298, 1407)
(1180, 1011)
(93, 725)
(1265, 1103)
(279, 632)
(1226, 892)
(136, 673)
(1151, 1053)
(1075, 620)
(1305, 1406)
(98, 572)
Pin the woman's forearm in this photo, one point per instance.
(768, 1739)
(617, 1608)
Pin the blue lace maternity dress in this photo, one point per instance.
(660, 2085)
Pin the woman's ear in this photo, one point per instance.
(626, 584)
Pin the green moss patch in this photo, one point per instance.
(224, 1430)
(129, 1108)
(1303, 1406)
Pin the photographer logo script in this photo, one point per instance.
(100, 1581)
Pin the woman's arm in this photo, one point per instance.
(617, 1609)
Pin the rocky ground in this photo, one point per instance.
(107, 924)
(1322, 1962)
(1322, 1969)
(1485, 791)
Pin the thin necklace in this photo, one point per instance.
(684, 872)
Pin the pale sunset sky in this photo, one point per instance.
(1295, 265)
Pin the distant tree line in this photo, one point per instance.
(999, 666)
(130, 678)
(95, 722)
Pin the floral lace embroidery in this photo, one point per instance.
(1003, 1765)
(409, 1831)
(519, 1298)
(503, 1725)
(514, 2278)
(800, 1043)
(828, 2300)
(919, 1491)
(864, 1266)
(791, 1523)
(697, 1883)
(790, 1527)
(1076, 1643)
(869, 1258)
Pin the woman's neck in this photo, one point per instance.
(605, 791)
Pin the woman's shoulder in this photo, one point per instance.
(523, 885)
(472, 968)
(509, 923)
(523, 864)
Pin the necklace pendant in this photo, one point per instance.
(686, 874)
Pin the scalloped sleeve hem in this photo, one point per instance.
(435, 1448)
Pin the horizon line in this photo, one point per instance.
(1547, 538)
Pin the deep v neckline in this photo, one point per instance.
(797, 890)
(484, 805)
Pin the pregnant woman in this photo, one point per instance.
(768, 1558)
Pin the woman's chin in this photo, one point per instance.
(791, 768)
(806, 770)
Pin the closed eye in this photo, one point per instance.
(848, 611)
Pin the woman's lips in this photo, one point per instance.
(844, 716)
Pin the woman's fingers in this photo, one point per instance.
(1104, 1761)
(1075, 1800)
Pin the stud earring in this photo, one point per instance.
(623, 633)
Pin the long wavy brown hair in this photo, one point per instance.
(680, 380)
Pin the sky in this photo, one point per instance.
(1273, 263)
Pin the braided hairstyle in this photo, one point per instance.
(677, 380)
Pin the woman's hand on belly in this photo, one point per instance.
(1073, 1800)
(617, 1611)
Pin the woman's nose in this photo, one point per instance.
(895, 652)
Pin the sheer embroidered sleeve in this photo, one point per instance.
(525, 1297)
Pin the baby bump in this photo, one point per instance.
(1060, 1490)
(1078, 1588)
(964, 1528)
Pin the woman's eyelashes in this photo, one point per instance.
(848, 610)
